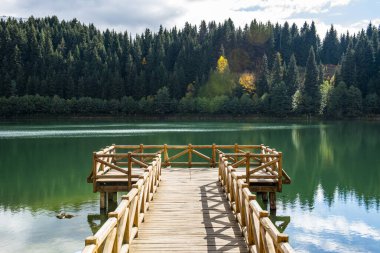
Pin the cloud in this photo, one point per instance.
(135, 16)
(287, 8)
(337, 225)
(132, 15)
(324, 244)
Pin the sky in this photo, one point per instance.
(134, 16)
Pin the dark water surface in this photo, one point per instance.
(333, 202)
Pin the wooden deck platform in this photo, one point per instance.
(189, 214)
(187, 198)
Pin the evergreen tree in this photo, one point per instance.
(311, 84)
(348, 67)
(280, 103)
(337, 101)
(263, 83)
(354, 105)
(371, 103)
(162, 101)
(330, 53)
(321, 74)
(292, 76)
(286, 44)
(277, 70)
(364, 59)
(81, 69)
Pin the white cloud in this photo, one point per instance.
(135, 16)
(337, 225)
(325, 244)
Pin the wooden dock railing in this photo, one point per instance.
(123, 163)
(118, 232)
(265, 165)
(261, 163)
(260, 233)
(240, 166)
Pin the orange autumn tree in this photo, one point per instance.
(247, 81)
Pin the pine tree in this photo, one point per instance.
(354, 105)
(348, 67)
(162, 101)
(263, 83)
(364, 59)
(330, 53)
(280, 103)
(277, 70)
(337, 101)
(286, 46)
(321, 74)
(311, 85)
(292, 76)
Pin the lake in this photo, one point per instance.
(332, 205)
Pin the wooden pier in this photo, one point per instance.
(182, 203)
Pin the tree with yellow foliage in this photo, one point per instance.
(247, 81)
(222, 64)
(221, 81)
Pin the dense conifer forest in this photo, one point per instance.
(58, 67)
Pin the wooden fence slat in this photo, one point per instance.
(202, 155)
(110, 242)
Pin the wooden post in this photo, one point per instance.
(236, 150)
(220, 166)
(166, 156)
(141, 151)
(102, 200)
(129, 170)
(247, 165)
(111, 200)
(273, 166)
(272, 200)
(279, 185)
(262, 160)
(94, 172)
(213, 162)
(264, 196)
(190, 155)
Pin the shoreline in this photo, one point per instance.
(183, 117)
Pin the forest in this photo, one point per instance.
(57, 67)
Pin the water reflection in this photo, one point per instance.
(339, 158)
(95, 221)
(342, 227)
(334, 198)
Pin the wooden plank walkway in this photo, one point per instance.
(189, 213)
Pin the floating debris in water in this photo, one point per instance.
(63, 215)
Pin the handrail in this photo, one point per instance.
(108, 159)
(188, 150)
(253, 157)
(260, 233)
(118, 232)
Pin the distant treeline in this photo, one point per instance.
(65, 67)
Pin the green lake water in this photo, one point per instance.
(332, 205)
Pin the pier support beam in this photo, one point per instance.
(111, 200)
(264, 196)
(102, 200)
(272, 200)
(107, 201)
